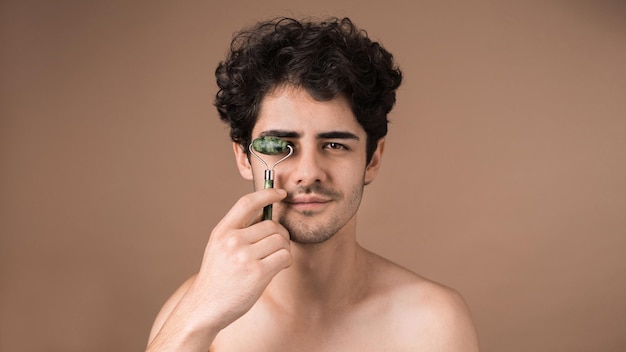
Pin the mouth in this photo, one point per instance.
(307, 203)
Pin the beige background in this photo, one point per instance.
(504, 173)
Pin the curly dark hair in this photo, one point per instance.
(327, 58)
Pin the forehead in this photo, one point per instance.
(293, 109)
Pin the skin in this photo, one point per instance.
(302, 282)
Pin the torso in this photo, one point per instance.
(394, 314)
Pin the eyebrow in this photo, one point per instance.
(321, 135)
(280, 134)
(337, 135)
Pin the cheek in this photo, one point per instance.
(257, 169)
(349, 176)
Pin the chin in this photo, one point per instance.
(309, 241)
(302, 234)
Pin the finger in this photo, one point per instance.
(263, 229)
(276, 261)
(269, 245)
(244, 211)
(256, 218)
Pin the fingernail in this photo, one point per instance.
(282, 192)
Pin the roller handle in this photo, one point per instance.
(267, 210)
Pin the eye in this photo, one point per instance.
(335, 146)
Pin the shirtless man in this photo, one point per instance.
(301, 282)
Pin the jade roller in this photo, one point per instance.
(269, 146)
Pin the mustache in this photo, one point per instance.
(314, 188)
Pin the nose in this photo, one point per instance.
(306, 167)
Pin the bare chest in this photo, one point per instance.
(344, 333)
(318, 340)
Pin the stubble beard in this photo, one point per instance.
(312, 228)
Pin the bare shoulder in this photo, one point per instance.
(423, 314)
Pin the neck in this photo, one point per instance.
(325, 275)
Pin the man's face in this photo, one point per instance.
(325, 175)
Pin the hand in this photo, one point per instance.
(240, 260)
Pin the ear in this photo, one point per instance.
(243, 163)
(374, 165)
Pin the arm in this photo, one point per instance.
(241, 258)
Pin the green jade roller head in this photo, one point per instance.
(269, 146)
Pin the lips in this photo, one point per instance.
(307, 202)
